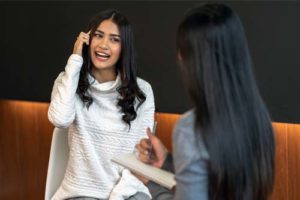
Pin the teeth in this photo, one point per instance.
(102, 54)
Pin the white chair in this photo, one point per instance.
(58, 159)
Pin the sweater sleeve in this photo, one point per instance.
(61, 112)
(190, 158)
(147, 109)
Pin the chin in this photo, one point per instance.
(103, 66)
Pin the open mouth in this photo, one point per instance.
(102, 56)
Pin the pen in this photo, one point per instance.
(154, 128)
(153, 132)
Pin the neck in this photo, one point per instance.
(104, 75)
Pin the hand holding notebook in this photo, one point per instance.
(155, 174)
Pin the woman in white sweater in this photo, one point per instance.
(106, 108)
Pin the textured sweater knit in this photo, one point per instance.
(96, 135)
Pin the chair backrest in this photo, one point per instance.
(58, 160)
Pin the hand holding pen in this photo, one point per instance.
(152, 151)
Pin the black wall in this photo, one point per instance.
(37, 38)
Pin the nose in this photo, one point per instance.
(104, 44)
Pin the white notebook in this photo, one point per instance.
(157, 175)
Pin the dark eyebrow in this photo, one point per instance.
(111, 34)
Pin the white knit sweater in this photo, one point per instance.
(97, 134)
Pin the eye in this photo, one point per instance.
(115, 39)
(98, 35)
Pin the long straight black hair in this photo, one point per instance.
(230, 113)
(126, 66)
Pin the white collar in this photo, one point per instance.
(106, 86)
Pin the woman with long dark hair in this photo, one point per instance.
(106, 108)
(224, 147)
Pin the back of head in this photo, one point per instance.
(230, 113)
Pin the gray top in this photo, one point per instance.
(190, 156)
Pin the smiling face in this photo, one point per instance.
(105, 47)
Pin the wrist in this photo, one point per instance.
(162, 160)
(77, 53)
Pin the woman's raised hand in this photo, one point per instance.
(81, 39)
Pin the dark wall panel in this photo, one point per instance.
(38, 37)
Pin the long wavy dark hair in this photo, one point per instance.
(230, 113)
(126, 66)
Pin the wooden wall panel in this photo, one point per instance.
(293, 168)
(45, 136)
(28, 142)
(9, 153)
(280, 190)
(25, 139)
(165, 127)
(32, 149)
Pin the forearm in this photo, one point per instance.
(62, 107)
